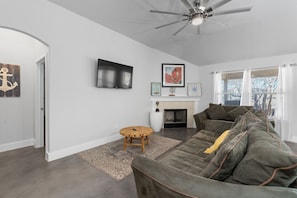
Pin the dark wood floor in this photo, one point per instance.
(24, 173)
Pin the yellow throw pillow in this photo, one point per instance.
(217, 143)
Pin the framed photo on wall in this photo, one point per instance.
(194, 89)
(173, 75)
(155, 89)
(10, 80)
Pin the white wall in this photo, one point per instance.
(80, 115)
(191, 73)
(17, 113)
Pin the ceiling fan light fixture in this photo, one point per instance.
(202, 8)
(197, 20)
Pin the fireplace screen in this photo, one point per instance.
(175, 118)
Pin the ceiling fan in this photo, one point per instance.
(198, 13)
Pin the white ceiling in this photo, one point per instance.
(269, 29)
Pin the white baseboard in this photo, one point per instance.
(51, 156)
(16, 145)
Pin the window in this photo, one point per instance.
(263, 85)
(231, 86)
(264, 90)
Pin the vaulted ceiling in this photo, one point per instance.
(269, 29)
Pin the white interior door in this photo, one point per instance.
(40, 105)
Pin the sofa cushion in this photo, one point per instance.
(268, 161)
(226, 159)
(194, 146)
(216, 112)
(217, 143)
(238, 111)
(185, 161)
(206, 135)
(217, 126)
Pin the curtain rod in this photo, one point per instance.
(234, 71)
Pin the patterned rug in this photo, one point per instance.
(113, 160)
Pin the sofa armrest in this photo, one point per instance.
(200, 119)
(154, 179)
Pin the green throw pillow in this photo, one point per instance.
(216, 112)
(268, 161)
(238, 111)
(227, 157)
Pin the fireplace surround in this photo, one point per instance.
(178, 102)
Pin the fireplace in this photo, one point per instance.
(177, 102)
(175, 118)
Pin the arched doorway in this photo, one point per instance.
(24, 117)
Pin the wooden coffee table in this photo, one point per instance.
(136, 132)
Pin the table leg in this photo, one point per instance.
(142, 144)
(125, 142)
(147, 139)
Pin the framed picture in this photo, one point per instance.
(194, 89)
(10, 80)
(173, 75)
(155, 89)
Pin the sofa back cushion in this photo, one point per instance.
(242, 124)
(238, 111)
(216, 112)
(268, 161)
(222, 112)
(227, 157)
(217, 126)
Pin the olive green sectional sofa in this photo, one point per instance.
(252, 161)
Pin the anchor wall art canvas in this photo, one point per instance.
(9, 80)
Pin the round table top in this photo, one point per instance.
(136, 131)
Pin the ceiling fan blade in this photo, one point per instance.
(188, 5)
(232, 11)
(217, 5)
(216, 22)
(166, 12)
(174, 22)
(180, 29)
(204, 2)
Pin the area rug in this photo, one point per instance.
(113, 160)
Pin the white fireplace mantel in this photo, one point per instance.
(175, 99)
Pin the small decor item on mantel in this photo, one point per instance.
(155, 89)
(157, 106)
(172, 91)
(194, 89)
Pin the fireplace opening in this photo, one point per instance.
(175, 118)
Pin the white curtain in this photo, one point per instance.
(281, 114)
(246, 89)
(285, 117)
(217, 94)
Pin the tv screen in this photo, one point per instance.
(114, 75)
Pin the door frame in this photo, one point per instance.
(41, 97)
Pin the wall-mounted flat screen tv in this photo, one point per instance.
(114, 75)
